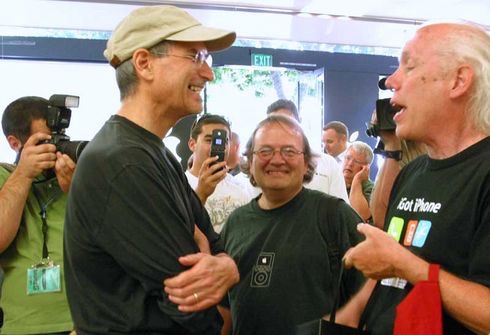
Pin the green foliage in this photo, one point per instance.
(244, 79)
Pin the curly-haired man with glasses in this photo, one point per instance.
(287, 242)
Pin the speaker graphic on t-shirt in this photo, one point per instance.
(262, 272)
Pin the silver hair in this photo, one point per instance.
(363, 149)
(125, 75)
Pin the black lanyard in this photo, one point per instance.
(44, 214)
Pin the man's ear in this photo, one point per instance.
(192, 144)
(142, 63)
(462, 81)
(14, 143)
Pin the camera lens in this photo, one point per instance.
(72, 148)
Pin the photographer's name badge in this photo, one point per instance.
(43, 278)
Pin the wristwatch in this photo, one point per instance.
(396, 154)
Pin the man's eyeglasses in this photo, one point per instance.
(348, 159)
(201, 57)
(287, 153)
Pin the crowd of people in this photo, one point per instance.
(124, 241)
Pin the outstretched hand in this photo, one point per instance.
(377, 255)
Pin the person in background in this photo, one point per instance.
(216, 188)
(234, 158)
(396, 153)
(136, 235)
(328, 175)
(32, 215)
(439, 208)
(357, 161)
(334, 138)
(288, 242)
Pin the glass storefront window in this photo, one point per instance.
(242, 95)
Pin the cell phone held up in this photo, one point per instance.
(218, 144)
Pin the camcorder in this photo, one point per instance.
(58, 119)
(384, 115)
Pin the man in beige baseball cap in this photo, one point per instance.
(132, 220)
(147, 26)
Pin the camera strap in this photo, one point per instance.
(43, 213)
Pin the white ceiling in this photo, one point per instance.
(385, 23)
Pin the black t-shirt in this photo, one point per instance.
(283, 258)
(130, 215)
(440, 211)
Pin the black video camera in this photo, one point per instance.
(58, 119)
(384, 116)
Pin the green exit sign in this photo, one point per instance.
(261, 60)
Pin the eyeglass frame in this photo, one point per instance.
(348, 158)
(202, 56)
(283, 151)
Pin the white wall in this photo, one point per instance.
(95, 84)
(88, 15)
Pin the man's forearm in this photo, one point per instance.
(466, 301)
(359, 202)
(203, 196)
(350, 313)
(13, 197)
(382, 190)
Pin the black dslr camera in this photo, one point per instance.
(384, 116)
(58, 119)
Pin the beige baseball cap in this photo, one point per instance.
(148, 26)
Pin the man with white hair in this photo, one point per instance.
(357, 160)
(438, 217)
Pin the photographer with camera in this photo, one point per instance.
(32, 209)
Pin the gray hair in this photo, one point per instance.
(363, 149)
(126, 77)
